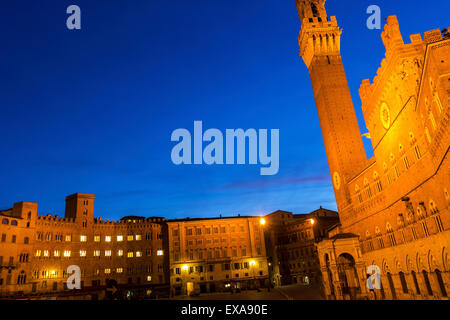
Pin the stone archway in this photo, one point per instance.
(348, 276)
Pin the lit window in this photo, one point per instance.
(56, 253)
(107, 271)
(68, 237)
(66, 253)
(149, 278)
(96, 238)
(138, 237)
(82, 253)
(160, 252)
(108, 238)
(120, 253)
(130, 237)
(138, 254)
(107, 253)
(379, 186)
(38, 253)
(417, 152)
(406, 162)
(119, 270)
(46, 253)
(83, 238)
(119, 238)
(130, 254)
(97, 253)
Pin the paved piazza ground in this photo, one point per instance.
(295, 292)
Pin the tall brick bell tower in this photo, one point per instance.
(319, 42)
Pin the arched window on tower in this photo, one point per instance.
(416, 283)
(358, 194)
(314, 10)
(390, 232)
(403, 282)
(369, 240)
(427, 282)
(376, 177)
(433, 207)
(420, 214)
(379, 237)
(440, 282)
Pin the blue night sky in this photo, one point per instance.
(93, 110)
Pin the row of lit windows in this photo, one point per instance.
(209, 230)
(119, 238)
(97, 238)
(210, 254)
(211, 267)
(56, 253)
(393, 240)
(54, 273)
(378, 184)
(209, 241)
(83, 253)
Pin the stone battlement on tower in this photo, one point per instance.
(396, 48)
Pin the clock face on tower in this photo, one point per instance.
(336, 180)
(385, 115)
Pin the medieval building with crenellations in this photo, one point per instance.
(394, 207)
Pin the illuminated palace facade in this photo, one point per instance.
(217, 254)
(35, 251)
(393, 207)
(142, 255)
(154, 257)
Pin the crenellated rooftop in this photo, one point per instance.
(394, 45)
(99, 221)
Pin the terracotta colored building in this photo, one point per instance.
(290, 243)
(142, 256)
(393, 207)
(216, 254)
(35, 251)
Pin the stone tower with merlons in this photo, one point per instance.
(319, 42)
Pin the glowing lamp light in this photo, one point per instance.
(262, 221)
(312, 221)
(185, 267)
(252, 263)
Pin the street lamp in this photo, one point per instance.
(252, 265)
(262, 222)
(312, 221)
(185, 267)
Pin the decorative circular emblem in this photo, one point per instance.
(385, 115)
(337, 180)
